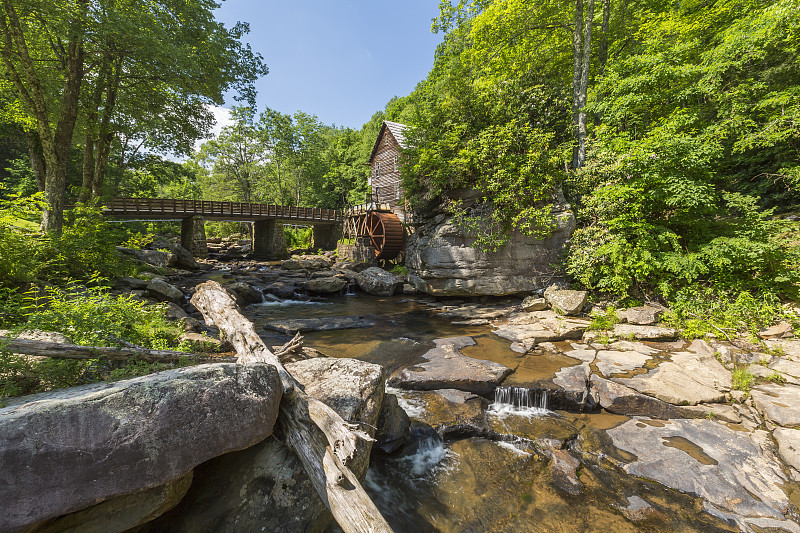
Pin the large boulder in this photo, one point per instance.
(442, 260)
(378, 282)
(393, 426)
(68, 449)
(644, 315)
(566, 302)
(326, 285)
(265, 488)
(446, 368)
(245, 293)
(154, 258)
(281, 289)
(183, 257)
(531, 329)
(451, 412)
(307, 262)
(160, 290)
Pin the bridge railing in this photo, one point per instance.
(169, 206)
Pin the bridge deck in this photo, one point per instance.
(165, 208)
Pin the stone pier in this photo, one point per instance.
(269, 241)
(193, 236)
(326, 236)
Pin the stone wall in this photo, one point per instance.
(359, 253)
(441, 260)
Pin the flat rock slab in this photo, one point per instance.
(451, 412)
(290, 326)
(447, 368)
(779, 403)
(575, 382)
(731, 470)
(621, 400)
(645, 333)
(611, 362)
(788, 446)
(530, 329)
(65, 450)
(688, 379)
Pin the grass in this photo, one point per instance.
(604, 320)
(742, 379)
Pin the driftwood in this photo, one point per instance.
(74, 351)
(323, 442)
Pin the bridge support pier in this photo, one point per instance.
(193, 236)
(269, 241)
(326, 236)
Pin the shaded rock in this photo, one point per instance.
(645, 333)
(778, 403)
(611, 362)
(265, 488)
(409, 289)
(204, 340)
(378, 282)
(132, 283)
(151, 257)
(566, 302)
(729, 470)
(443, 261)
(245, 293)
(533, 303)
(183, 257)
(176, 312)
(37, 335)
(644, 315)
(281, 289)
(447, 368)
(65, 450)
(619, 399)
(714, 411)
(393, 425)
(688, 379)
(123, 512)
(575, 381)
(788, 446)
(160, 290)
(290, 326)
(327, 285)
(778, 331)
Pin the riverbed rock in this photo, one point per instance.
(290, 326)
(154, 258)
(183, 257)
(732, 471)
(307, 262)
(788, 446)
(566, 302)
(644, 315)
(393, 426)
(534, 328)
(378, 282)
(619, 399)
(452, 413)
(442, 260)
(778, 403)
(687, 379)
(245, 293)
(160, 290)
(645, 333)
(326, 285)
(281, 289)
(447, 368)
(265, 488)
(575, 382)
(123, 513)
(778, 331)
(533, 303)
(64, 450)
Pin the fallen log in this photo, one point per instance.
(323, 442)
(74, 351)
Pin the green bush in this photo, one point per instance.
(298, 237)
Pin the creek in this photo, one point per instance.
(519, 476)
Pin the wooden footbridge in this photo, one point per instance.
(266, 241)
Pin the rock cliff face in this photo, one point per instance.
(441, 260)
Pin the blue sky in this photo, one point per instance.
(339, 60)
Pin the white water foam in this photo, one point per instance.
(510, 446)
(428, 457)
(413, 408)
(291, 302)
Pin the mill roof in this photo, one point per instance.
(396, 129)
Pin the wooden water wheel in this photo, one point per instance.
(385, 233)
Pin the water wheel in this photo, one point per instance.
(385, 233)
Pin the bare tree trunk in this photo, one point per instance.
(105, 136)
(323, 442)
(576, 75)
(89, 136)
(602, 53)
(37, 159)
(581, 61)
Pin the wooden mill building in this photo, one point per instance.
(384, 162)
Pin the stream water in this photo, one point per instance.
(478, 484)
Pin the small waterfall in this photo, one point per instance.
(350, 288)
(519, 400)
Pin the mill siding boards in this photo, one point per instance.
(387, 181)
